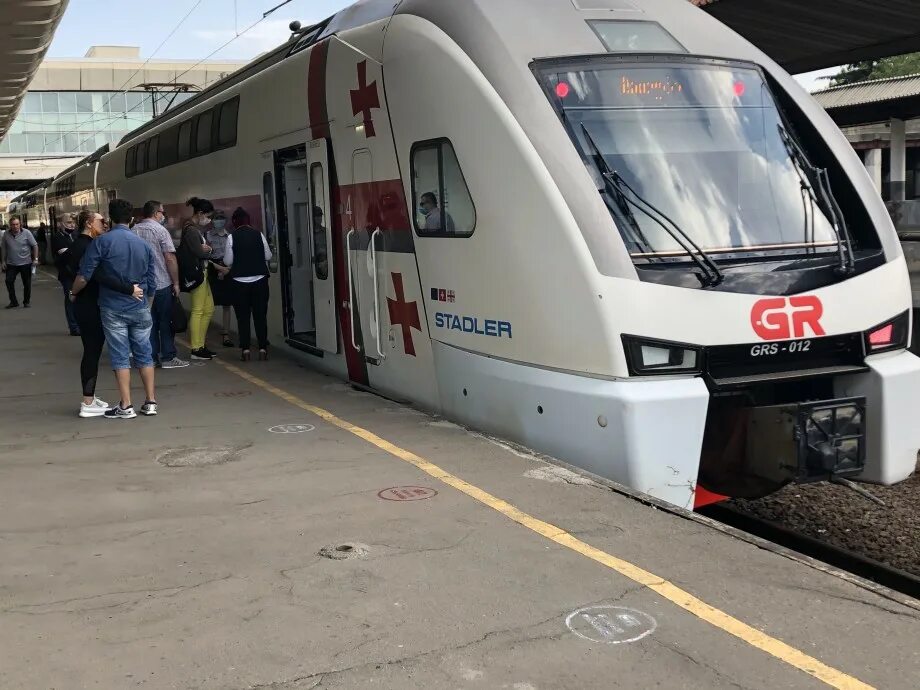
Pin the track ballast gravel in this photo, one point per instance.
(840, 516)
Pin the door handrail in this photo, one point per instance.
(376, 290)
(351, 291)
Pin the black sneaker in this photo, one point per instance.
(12, 305)
(149, 408)
(210, 352)
(119, 412)
(26, 305)
(202, 353)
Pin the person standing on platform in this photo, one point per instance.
(221, 286)
(61, 242)
(162, 340)
(86, 310)
(193, 233)
(18, 257)
(247, 256)
(126, 321)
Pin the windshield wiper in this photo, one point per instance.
(618, 188)
(813, 178)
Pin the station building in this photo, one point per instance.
(74, 106)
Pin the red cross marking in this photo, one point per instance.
(404, 314)
(365, 98)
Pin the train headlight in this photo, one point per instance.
(891, 335)
(646, 357)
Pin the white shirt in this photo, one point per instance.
(228, 259)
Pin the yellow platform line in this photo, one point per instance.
(671, 592)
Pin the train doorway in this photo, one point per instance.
(304, 236)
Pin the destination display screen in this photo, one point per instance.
(657, 86)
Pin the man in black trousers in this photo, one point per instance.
(18, 257)
(61, 242)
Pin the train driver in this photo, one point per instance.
(428, 206)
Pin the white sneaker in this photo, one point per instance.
(97, 408)
(174, 363)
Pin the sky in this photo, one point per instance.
(147, 23)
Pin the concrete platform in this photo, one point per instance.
(119, 570)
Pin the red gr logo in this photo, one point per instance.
(778, 318)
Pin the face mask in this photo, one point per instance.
(219, 224)
(424, 211)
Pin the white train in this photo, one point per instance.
(613, 231)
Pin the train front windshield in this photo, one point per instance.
(704, 144)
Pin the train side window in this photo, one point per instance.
(440, 195)
(203, 132)
(318, 220)
(153, 147)
(226, 122)
(268, 208)
(169, 147)
(184, 149)
(140, 163)
(130, 161)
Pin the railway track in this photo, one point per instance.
(843, 559)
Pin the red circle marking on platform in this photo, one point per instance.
(407, 493)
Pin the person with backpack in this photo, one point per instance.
(193, 256)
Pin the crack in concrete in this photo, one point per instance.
(842, 597)
(25, 609)
(702, 664)
(514, 633)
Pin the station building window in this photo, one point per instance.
(440, 196)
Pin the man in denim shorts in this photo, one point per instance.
(126, 320)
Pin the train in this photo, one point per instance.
(614, 232)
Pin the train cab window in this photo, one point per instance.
(442, 201)
(203, 132)
(130, 158)
(140, 163)
(153, 153)
(184, 149)
(226, 122)
(635, 37)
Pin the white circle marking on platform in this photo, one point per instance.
(291, 428)
(610, 624)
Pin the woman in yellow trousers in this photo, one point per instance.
(193, 233)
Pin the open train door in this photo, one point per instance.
(321, 243)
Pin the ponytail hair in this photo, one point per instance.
(200, 205)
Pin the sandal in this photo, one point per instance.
(227, 342)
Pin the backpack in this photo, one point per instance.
(191, 275)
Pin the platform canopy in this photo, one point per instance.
(26, 30)
(806, 35)
(868, 102)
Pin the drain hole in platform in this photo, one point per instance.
(346, 550)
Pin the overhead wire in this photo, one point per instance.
(175, 80)
(122, 89)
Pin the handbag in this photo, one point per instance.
(178, 319)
